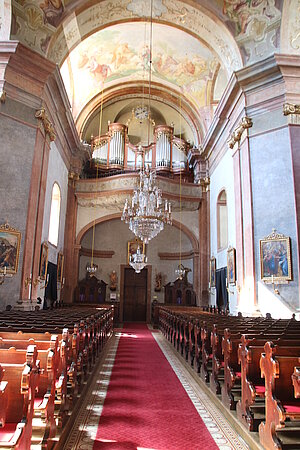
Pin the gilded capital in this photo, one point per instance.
(289, 108)
(48, 126)
(236, 135)
(205, 182)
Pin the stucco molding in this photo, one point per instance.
(117, 216)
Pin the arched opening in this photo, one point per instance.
(222, 220)
(54, 215)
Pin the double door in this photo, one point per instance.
(135, 296)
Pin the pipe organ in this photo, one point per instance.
(117, 133)
(163, 138)
(113, 150)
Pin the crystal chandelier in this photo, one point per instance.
(91, 268)
(145, 215)
(138, 260)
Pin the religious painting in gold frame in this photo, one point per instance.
(10, 241)
(60, 267)
(212, 272)
(231, 276)
(275, 258)
(44, 261)
(133, 246)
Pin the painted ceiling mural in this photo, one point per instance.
(255, 24)
(121, 53)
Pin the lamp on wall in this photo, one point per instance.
(145, 215)
(4, 275)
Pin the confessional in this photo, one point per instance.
(90, 290)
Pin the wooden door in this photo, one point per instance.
(135, 296)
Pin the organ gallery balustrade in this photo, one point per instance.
(113, 151)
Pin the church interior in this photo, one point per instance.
(149, 232)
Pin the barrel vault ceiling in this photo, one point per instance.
(102, 49)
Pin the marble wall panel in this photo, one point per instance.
(274, 201)
(16, 154)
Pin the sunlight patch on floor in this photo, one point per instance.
(134, 336)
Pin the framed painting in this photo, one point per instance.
(231, 276)
(60, 267)
(275, 258)
(133, 246)
(10, 241)
(212, 272)
(44, 261)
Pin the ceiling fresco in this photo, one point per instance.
(53, 27)
(198, 44)
(121, 53)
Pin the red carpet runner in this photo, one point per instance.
(146, 406)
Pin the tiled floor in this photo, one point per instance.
(83, 432)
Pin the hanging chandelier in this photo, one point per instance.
(138, 260)
(91, 268)
(145, 215)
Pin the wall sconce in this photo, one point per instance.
(276, 291)
(30, 282)
(4, 275)
(227, 288)
(62, 283)
(42, 281)
(211, 289)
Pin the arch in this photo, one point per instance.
(192, 238)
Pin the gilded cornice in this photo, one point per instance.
(237, 133)
(47, 125)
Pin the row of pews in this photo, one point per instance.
(251, 363)
(46, 358)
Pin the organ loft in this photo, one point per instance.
(149, 182)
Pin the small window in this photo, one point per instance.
(54, 215)
(222, 220)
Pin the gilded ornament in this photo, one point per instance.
(236, 135)
(289, 108)
(48, 127)
(2, 96)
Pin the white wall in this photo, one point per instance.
(222, 178)
(57, 172)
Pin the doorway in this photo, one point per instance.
(135, 295)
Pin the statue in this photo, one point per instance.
(113, 280)
(158, 282)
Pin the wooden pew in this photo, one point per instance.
(21, 372)
(282, 408)
(49, 362)
(252, 385)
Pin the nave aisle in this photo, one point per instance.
(142, 397)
